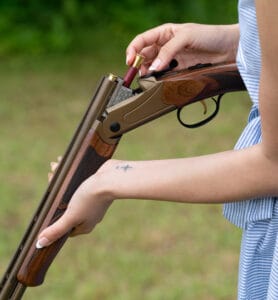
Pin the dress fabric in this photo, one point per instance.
(249, 65)
(258, 265)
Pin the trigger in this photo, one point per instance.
(205, 106)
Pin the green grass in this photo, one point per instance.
(142, 249)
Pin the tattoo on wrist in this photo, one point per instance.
(125, 168)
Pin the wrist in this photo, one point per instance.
(231, 36)
(103, 182)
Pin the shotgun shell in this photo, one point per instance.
(132, 71)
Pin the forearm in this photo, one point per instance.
(230, 38)
(215, 38)
(216, 178)
(268, 89)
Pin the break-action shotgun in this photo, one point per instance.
(115, 109)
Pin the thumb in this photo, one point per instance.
(52, 233)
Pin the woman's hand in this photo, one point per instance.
(53, 166)
(188, 43)
(87, 207)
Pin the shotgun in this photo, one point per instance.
(114, 110)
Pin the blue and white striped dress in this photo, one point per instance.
(258, 268)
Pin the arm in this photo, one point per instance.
(268, 30)
(114, 110)
(216, 178)
(199, 179)
(250, 170)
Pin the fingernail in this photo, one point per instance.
(41, 243)
(53, 164)
(155, 65)
(127, 59)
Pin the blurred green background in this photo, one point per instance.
(52, 55)
(70, 25)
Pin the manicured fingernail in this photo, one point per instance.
(155, 64)
(128, 59)
(42, 242)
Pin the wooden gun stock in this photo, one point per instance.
(92, 154)
(85, 154)
(115, 110)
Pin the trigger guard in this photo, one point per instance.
(205, 121)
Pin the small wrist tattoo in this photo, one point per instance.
(125, 168)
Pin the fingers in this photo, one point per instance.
(169, 51)
(53, 167)
(141, 41)
(149, 54)
(159, 46)
(83, 212)
(55, 231)
(86, 208)
(149, 43)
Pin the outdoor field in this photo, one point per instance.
(142, 249)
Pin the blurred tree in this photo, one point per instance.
(60, 25)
